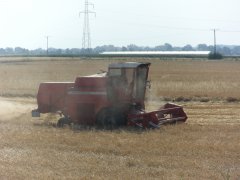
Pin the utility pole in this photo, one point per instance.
(86, 39)
(47, 37)
(215, 41)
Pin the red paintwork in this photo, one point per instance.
(168, 114)
(51, 96)
(81, 100)
(86, 99)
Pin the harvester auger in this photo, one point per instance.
(108, 100)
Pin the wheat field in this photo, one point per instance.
(206, 147)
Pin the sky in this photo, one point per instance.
(26, 23)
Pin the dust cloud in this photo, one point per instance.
(11, 108)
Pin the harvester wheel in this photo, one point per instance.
(105, 119)
(62, 121)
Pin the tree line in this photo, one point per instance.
(222, 49)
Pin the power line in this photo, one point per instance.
(156, 25)
(86, 39)
(227, 31)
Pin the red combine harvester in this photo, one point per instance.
(108, 100)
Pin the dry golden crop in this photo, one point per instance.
(206, 147)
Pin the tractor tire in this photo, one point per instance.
(110, 118)
(105, 119)
(63, 121)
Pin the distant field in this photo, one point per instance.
(206, 147)
(196, 79)
(170, 78)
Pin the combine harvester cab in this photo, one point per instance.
(108, 100)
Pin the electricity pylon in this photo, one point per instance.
(86, 39)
